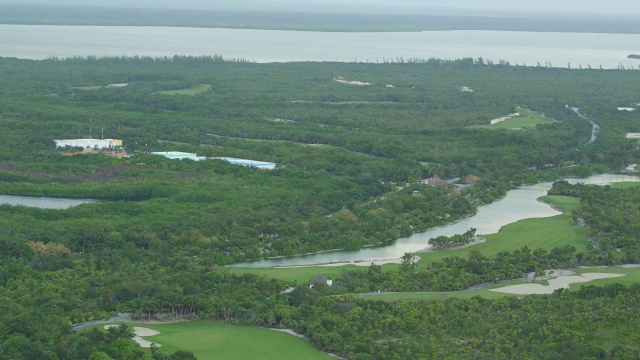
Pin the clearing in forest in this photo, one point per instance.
(584, 276)
(523, 118)
(189, 91)
(96, 87)
(560, 282)
(342, 80)
(210, 340)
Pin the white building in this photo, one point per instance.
(177, 155)
(250, 163)
(98, 144)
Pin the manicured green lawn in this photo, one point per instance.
(190, 91)
(545, 233)
(422, 296)
(626, 184)
(632, 276)
(212, 340)
(527, 118)
(299, 275)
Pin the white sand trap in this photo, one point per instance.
(504, 118)
(139, 332)
(561, 282)
(145, 343)
(290, 332)
(341, 80)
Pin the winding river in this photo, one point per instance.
(43, 202)
(517, 205)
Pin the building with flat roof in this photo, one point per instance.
(176, 155)
(88, 143)
(235, 161)
(251, 163)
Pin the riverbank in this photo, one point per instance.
(519, 219)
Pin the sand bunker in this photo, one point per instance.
(290, 332)
(465, 89)
(561, 282)
(139, 332)
(504, 118)
(341, 80)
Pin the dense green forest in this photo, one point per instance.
(343, 151)
(350, 161)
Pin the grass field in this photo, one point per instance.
(300, 275)
(545, 233)
(626, 184)
(211, 340)
(527, 118)
(190, 91)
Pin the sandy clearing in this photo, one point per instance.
(630, 266)
(560, 282)
(504, 118)
(139, 332)
(341, 80)
(290, 332)
(142, 331)
(145, 343)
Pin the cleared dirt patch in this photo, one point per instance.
(342, 80)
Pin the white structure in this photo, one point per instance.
(251, 163)
(177, 155)
(633, 136)
(195, 157)
(626, 109)
(88, 143)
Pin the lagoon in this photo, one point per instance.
(516, 47)
(43, 202)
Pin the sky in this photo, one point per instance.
(622, 7)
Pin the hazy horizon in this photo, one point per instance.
(461, 7)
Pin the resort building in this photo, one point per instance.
(251, 163)
(94, 144)
(177, 155)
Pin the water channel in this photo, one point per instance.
(43, 202)
(521, 47)
(517, 205)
